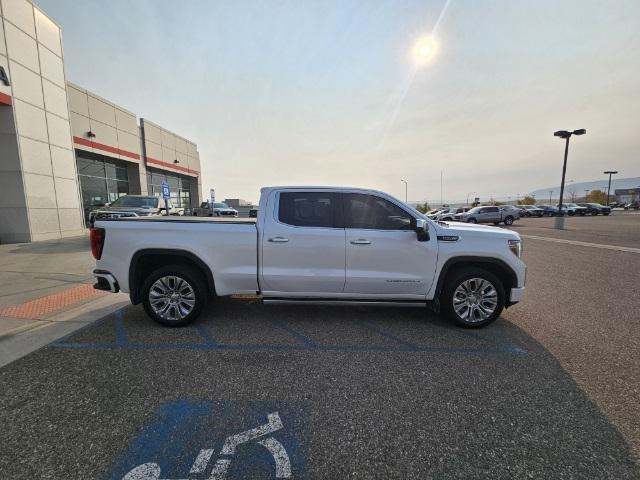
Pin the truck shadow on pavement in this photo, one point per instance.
(242, 325)
(390, 393)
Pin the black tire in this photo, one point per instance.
(582, 214)
(472, 220)
(571, 214)
(193, 279)
(456, 279)
(195, 214)
(594, 213)
(508, 220)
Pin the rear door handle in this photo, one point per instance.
(361, 241)
(278, 239)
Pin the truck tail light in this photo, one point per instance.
(96, 236)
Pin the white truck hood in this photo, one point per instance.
(457, 228)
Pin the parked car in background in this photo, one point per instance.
(632, 206)
(596, 208)
(490, 214)
(549, 210)
(531, 210)
(216, 209)
(134, 206)
(432, 214)
(449, 214)
(572, 209)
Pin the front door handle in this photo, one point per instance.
(361, 241)
(278, 239)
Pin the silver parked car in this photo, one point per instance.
(490, 214)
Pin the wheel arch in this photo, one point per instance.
(147, 260)
(498, 267)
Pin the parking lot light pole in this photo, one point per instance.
(406, 190)
(550, 195)
(559, 222)
(609, 172)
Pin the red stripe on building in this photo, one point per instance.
(186, 170)
(105, 148)
(5, 99)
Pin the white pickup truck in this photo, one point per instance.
(312, 245)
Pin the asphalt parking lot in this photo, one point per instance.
(550, 390)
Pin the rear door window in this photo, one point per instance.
(310, 209)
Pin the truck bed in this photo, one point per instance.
(227, 245)
(173, 218)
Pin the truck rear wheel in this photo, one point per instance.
(473, 297)
(174, 295)
(508, 220)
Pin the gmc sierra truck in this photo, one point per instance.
(319, 245)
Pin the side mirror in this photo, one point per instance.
(421, 227)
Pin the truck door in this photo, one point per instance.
(384, 256)
(303, 244)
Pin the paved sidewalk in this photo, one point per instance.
(46, 292)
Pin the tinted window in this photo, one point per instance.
(140, 202)
(492, 209)
(369, 211)
(308, 209)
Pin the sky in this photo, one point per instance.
(328, 92)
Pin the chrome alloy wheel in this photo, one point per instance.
(475, 300)
(172, 298)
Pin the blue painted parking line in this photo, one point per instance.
(218, 440)
(121, 334)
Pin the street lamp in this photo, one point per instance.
(550, 195)
(406, 189)
(609, 172)
(559, 223)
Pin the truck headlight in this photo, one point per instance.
(516, 247)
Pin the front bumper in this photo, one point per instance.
(516, 295)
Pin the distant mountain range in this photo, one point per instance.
(579, 187)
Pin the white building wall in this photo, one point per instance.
(38, 175)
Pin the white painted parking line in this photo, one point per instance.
(584, 244)
(202, 460)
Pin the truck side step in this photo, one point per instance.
(336, 301)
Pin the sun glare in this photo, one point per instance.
(424, 50)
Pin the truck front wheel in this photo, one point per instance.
(174, 295)
(473, 297)
(508, 220)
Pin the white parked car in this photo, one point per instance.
(317, 245)
(215, 209)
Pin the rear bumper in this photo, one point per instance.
(105, 281)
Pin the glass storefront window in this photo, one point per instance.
(180, 187)
(101, 181)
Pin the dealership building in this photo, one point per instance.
(65, 150)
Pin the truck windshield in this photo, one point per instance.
(137, 202)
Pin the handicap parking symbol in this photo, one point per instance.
(193, 440)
